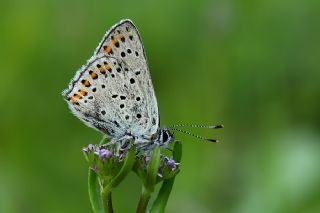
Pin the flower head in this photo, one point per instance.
(88, 148)
(147, 159)
(94, 168)
(171, 164)
(103, 153)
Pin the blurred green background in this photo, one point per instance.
(252, 65)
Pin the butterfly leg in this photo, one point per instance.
(120, 145)
(144, 145)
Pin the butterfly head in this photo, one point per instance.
(165, 137)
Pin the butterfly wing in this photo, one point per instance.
(114, 93)
(124, 43)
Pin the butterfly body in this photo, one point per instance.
(113, 92)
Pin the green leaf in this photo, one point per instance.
(177, 152)
(94, 187)
(94, 192)
(150, 180)
(160, 202)
(125, 169)
(104, 140)
(152, 169)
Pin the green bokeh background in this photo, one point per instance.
(252, 65)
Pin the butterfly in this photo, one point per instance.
(113, 92)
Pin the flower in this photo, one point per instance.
(88, 148)
(171, 164)
(103, 160)
(160, 172)
(103, 153)
(94, 168)
(147, 159)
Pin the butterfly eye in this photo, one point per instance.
(164, 136)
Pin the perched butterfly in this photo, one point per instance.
(113, 92)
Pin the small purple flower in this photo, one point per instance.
(103, 153)
(160, 172)
(109, 154)
(88, 148)
(94, 168)
(171, 164)
(147, 159)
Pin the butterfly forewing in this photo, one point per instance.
(123, 42)
(113, 92)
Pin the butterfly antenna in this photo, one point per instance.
(198, 126)
(194, 135)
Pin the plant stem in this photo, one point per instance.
(107, 201)
(125, 169)
(94, 192)
(144, 200)
(150, 181)
(94, 187)
(160, 202)
(115, 181)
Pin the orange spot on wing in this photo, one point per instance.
(108, 50)
(76, 96)
(121, 37)
(107, 66)
(86, 83)
(94, 75)
(114, 41)
(101, 70)
(73, 100)
(82, 92)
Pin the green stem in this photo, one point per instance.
(107, 201)
(160, 203)
(124, 171)
(152, 169)
(150, 181)
(144, 200)
(94, 188)
(94, 192)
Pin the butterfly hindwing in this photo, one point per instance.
(124, 43)
(107, 96)
(113, 92)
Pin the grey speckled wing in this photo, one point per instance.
(113, 92)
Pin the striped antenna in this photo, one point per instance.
(198, 126)
(194, 135)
